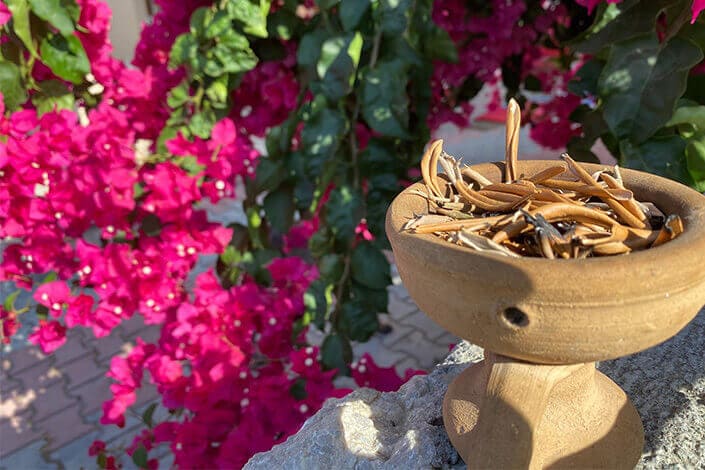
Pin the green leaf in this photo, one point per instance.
(377, 203)
(303, 194)
(594, 127)
(166, 134)
(694, 115)
(331, 267)
(622, 21)
(696, 88)
(369, 266)
(317, 299)
(279, 209)
(184, 50)
(220, 23)
(376, 300)
(101, 460)
(61, 14)
(379, 157)
(326, 4)
(254, 222)
(298, 389)
(321, 136)
(65, 57)
(148, 414)
(343, 212)
(392, 16)
(663, 156)
(320, 243)
(357, 321)
(579, 149)
(9, 302)
(695, 161)
(20, 23)
(202, 123)
(283, 24)
(11, 85)
(270, 174)
(695, 33)
(439, 45)
(231, 256)
(53, 94)
(310, 48)
(190, 164)
(351, 12)
(255, 263)
(137, 190)
(200, 19)
(228, 265)
(336, 353)
(253, 16)
(217, 93)
(179, 95)
(139, 457)
(384, 182)
(234, 54)
(641, 83)
(385, 105)
(337, 65)
(586, 79)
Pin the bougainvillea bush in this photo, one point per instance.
(105, 168)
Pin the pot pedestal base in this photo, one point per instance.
(504, 413)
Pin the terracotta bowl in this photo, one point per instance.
(558, 311)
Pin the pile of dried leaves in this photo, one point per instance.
(560, 212)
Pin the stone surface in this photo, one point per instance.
(403, 429)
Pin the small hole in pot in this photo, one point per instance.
(515, 317)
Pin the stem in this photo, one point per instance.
(375, 49)
(356, 178)
(677, 24)
(353, 146)
(339, 291)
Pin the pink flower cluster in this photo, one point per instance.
(267, 94)
(226, 359)
(68, 198)
(485, 42)
(122, 238)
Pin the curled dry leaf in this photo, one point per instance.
(562, 211)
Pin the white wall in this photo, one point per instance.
(128, 16)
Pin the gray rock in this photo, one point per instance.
(404, 429)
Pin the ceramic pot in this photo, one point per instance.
(542, 319)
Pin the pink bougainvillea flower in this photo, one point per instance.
(385, 379)
(362, 232)
(9, 325)
(53, 295)
(5, 14)
(49, 335)
(78, 311)
(97, 447)
(697, 7)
